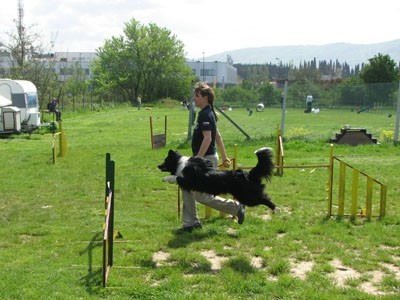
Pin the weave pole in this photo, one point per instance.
(62, 142)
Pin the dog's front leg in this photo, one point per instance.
(169, 179)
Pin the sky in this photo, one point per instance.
(207, 27)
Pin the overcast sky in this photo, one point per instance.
(209, 26)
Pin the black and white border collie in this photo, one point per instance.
(198, 174)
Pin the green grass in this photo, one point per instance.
(52, 215)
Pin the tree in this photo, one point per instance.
(352, 92)
(237, 95)
(28, 58)
(23, 42)
(380, 73)
(146, 60)
(268, 94)
(75, 85)
(298, 91)
(381, 69)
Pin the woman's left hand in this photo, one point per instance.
(226, 163)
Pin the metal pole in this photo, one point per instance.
(396, 128)
(233, 122)
(191, 121)
(284, 111)
(203, 67)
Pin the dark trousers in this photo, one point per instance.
(58, 114)
(308, 109)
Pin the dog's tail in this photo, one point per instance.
(264, 167)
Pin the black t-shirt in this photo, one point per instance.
(51, 106)
(205, 122)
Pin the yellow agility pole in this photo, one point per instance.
(62, 143)
(63, 140)
(330, 181)
(342, 188)
(382, 203)
(354, 193)
(368, 207)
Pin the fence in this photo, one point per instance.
(356, 186)
(342, 180)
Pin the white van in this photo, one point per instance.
(23, 113)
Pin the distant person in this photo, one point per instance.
(185, 104)
(52, 107)
(139, 102)
(309, 100)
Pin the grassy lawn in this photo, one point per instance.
(52, 214)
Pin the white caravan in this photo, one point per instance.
(23, 112)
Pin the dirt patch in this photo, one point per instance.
(265, 217)
(231, 231)
(286, 210)
(216, 261)
(257, 262)
(160, 257)
(370, 286)
(281, 235)
(393, 268)
(343, 273)
(300, 269)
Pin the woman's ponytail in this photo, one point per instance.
(215, 114)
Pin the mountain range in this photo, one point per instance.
(352, 54)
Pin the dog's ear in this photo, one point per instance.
(174, 153)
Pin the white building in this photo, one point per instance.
(64, 64)
(218, 73)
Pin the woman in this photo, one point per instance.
(204, 141)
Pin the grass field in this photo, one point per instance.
(52, 214)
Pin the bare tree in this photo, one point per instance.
(29, 58)
(22, 41)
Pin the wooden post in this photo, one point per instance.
(382, 206)
(354, 193)
(330, 182)
(342, 188)
(368, 205)
(151, 133)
